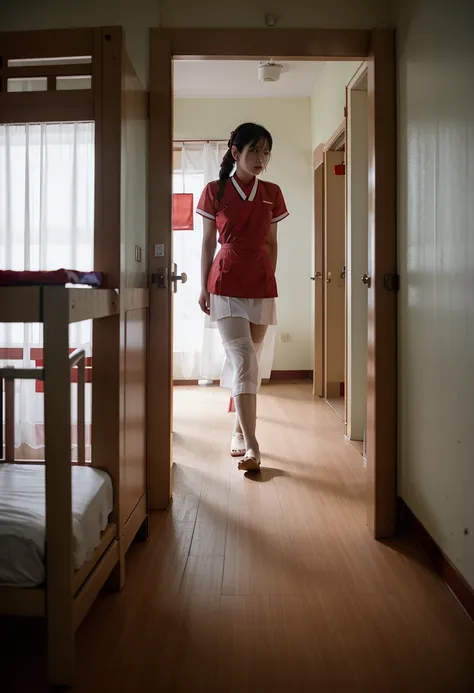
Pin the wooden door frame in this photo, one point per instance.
(318, 278)
(336, 143)
(334, 326)
(377, 47)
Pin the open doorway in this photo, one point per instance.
(377, 47)
(341, 183)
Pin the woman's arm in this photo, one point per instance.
(209, 243)
(273, 246)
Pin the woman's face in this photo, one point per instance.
(253, 159)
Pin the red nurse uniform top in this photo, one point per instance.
(242, 268)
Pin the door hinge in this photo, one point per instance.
(345, 111)
(391, 282)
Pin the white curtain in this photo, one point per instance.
(198, 351)
(46, 222)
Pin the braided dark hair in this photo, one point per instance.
(246, 134)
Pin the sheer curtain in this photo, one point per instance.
(198, 351)
(46, 222)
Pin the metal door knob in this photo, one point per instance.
(175, 278)
(183, 277)
(162, 278)
(366, 280)
(318, 275)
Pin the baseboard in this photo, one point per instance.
(275, 376)
(291, 375)
(463, 592)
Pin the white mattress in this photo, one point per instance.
(23, 519)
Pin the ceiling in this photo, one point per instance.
(239, 79)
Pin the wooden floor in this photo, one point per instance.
(339, 406)
(269, 585)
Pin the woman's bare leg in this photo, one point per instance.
(237, 426)
(253, 451)
(246, 405)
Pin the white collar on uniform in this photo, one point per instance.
(253, 192)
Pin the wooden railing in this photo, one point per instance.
(77, 363)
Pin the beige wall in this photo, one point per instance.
(436, 254)
(302, 13)
(136, 17)
(329, 99)
(289, 122)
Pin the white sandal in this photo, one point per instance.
(237, 445)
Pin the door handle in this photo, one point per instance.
(175, 278)
(343, 273)
(329, 278)
(367, 280)
(318, 275)
(162, 278)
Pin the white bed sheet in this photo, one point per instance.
(23, 519)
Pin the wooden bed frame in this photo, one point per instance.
(118, 106)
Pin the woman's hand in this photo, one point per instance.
(205, 302)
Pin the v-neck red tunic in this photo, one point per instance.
(242, 267)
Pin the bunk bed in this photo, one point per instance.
(65, 526)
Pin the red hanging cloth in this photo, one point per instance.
(183, 217)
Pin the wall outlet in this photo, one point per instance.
(284, 337)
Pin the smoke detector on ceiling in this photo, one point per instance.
(269, 72)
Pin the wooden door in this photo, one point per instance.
(134, 304)
(334, 244)
(160, 393)
(382, 288)
(319, 284)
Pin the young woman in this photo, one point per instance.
(238, 285)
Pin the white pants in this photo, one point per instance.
(241, 368)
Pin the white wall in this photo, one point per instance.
(436, 256)
(135, 17)
(329, 99)
(289, 122)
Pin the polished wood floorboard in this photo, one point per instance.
(269, 584)
(339, 406)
